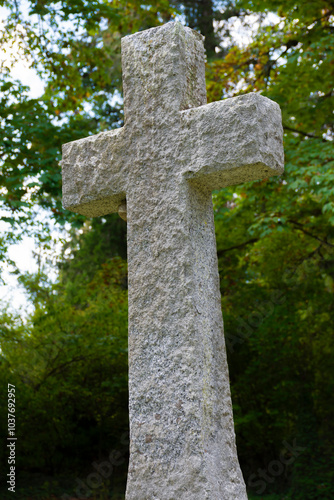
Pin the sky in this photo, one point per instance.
(22, 253)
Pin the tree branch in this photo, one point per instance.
(306, 134)
(59, 369)
(221, 252)
(300, 228)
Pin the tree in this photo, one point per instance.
(69, 366)
(275, 244)
(75, 48)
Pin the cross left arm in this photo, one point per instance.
(94, 173)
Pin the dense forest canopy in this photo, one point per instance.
(275, 242)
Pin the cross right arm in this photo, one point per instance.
(232, 141)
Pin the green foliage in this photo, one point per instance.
(86, 251)
(275, 243)
(69, 366)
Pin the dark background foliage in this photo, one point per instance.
(275, 242)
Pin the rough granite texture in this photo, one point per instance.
(172, 151)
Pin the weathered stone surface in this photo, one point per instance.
(233, 141)
(166, 160)
(94, 181)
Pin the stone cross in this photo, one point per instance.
(173, 150)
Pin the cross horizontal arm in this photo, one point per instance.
(232, 141)
(94, 174)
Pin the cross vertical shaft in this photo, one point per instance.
(182, 435)
(182, 442)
